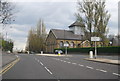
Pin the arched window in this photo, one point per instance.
(72, 44)
(61, 44)
(67, 43)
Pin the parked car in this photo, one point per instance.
(58, 51)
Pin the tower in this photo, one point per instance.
(77, 28)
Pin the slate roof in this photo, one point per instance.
(65, 34)
(76, 23)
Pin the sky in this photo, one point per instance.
(57, 14)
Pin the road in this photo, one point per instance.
(68, 67)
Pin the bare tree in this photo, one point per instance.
(36, 38)
(6, 12)
(95, 18)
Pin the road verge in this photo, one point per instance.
(109, 61)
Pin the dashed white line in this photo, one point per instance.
(35, 59)
(64, 61)
(41, 63)
(17, 56)
(67, 58)
(74, 63)
(81, 65)
(48, 70)
(68, 62)
(101, 70)
(116, 74)
(89, 67)
(61, 60)
(38, 60)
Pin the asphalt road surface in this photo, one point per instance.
(49, 67)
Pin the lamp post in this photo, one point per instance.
(66, 45)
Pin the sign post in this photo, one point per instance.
(66, 45)
(95, 39)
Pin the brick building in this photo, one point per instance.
(74, 37)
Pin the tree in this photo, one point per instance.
(7, 45)
(6, 12)
(36, 38)
(95, 18)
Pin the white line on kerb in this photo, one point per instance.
(116, 74)
(48, 70)
(89, 67)
(41, 63)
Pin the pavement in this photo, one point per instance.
(103, 60)
(8, 58)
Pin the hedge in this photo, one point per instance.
(87, 49)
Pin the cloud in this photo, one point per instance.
(18, 33)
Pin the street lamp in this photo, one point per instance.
(66, 45)
(110, 43)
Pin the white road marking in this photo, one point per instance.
(67, 58)
(64, 61)
(81, 65)
(61, 60)
(98, 69)
(73, 63)
(48, 70)
(101, 70)
(116, 74)
(68, 62)
(89, 67)
(38, 60)
(17, 56)
(35, 59)
(41, 63)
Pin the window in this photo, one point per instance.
(61, 44)
(72, 44)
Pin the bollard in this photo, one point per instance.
(91, 54)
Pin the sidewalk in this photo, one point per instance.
(103, 60)
(8, 58)
(55, 55)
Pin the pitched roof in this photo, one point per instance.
(65, 34)
(76, 23)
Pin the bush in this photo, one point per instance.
(87, 49)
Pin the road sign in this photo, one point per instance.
(95, 38)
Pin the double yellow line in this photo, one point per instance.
(7, 67)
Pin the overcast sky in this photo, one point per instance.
(57, 14)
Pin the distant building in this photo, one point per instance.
(74, 37)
